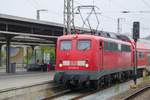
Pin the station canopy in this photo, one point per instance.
(28, 31)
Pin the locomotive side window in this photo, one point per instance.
(115, 47)
(65, 45)
(110, 46)
(83, 44)
(106, 46)
(125, 48)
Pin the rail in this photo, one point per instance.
(140, 91)
(92, 92)
(86, 94)
(23, 87)
(15, 91)
(59, 94)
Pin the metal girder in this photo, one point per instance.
(28, 42)
(11, 18)
(40, 29)
(27, 34)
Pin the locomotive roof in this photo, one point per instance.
(85, 36)
(110, 35)
(141, 44)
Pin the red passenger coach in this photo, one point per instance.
(92, 61)
(143, 55)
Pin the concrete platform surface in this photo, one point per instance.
(18, 80)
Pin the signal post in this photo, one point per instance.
(136, 35)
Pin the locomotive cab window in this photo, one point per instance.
(83, 44)
(65, 45)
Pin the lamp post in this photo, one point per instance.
(38, 13)
(119, 28)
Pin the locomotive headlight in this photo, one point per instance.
(60, 65)
(86, 65)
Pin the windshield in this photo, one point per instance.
(84, 44)
(65, 45)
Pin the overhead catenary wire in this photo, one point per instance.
(93, 2)
(77, 2)
(146, 3)
(125, 10)
(32, 5)
(97, 13)
(36, 4)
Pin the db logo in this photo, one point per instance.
(73, 63)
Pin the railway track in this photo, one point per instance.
(137, 92)
(68, 94)
(58, 95)
(86, 94)
(74, 95)
(25, 90)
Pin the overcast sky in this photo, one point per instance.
(108, 19)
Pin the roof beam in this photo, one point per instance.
(27, 34)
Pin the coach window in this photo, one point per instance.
(83, 44)
(65, 45)
(140, 55)
(128, 48)
(143, 54)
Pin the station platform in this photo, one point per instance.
(21, 79)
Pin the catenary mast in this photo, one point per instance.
(68, 16)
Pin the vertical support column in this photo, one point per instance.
(55, 53)
(0, 55)
(8, 40)
(42, 55)
(118, 25)
(35, 56)
(27, 49)
(55, 50)
(33, 62)
(38, 15)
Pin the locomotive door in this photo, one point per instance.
(101, 54)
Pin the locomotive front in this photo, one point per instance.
(76, 64)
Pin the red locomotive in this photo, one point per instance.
(97, 60)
